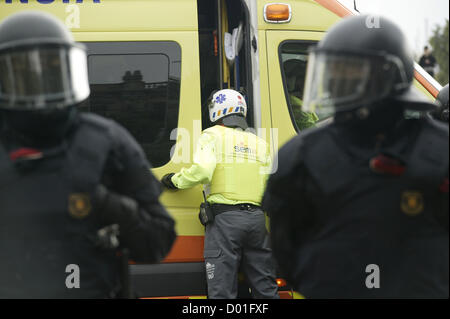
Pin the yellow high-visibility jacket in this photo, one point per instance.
(235, 164)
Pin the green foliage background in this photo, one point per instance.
(439, 43)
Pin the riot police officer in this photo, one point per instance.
(359, 207)
(74, 188)
(234, 164)
(441, 102)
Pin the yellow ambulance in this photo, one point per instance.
(153, 64)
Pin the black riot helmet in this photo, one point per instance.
(41, 67)
(362, 61)
(442, 105)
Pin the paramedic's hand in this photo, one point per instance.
(166, 180)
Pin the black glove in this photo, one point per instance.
(113, 208)
(166, 180)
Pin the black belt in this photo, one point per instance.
(221, 208)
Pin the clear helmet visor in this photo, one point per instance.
(43, 77)
(339, 83)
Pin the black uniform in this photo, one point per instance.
(331, 219)
(359, 207)
(51, 212)
(75, 189)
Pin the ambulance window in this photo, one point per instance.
(138, 85)
(293, 61)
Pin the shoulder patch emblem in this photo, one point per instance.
(412, 203)
(79, 205)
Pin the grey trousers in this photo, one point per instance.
(233, 238)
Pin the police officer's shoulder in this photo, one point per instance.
(96, 121)
(439, 128)
(316, 131)
(121, 138)
(292, 154)
(440, 131)
(106, 125)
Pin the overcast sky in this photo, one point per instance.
(417, 18)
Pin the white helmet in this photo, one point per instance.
(226, 102)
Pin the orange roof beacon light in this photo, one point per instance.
(277, 13)
(281, 282)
